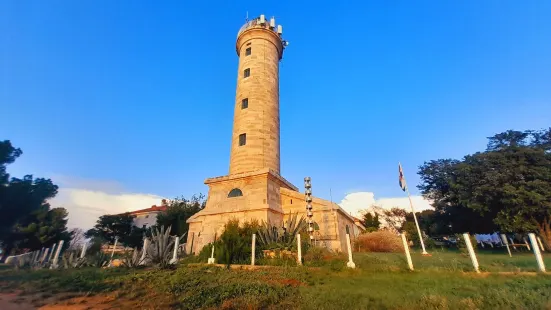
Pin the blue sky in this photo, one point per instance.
(141, 93)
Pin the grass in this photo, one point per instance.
(446, 260)
(380, 281)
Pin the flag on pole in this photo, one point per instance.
(402, 180)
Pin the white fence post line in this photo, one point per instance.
(83, 251)
(113, 252)
(39, 258)
(406, 250)
(144, 251)
(253, 250)
(114, 246)
(536, 249)
(350, 263)
(471, 251)
(52, 253)
(33, 256)
(504, 239)
(299, 251)
(211, 259)
(527, 245)
(44, 255)
(174, 259)
(58, 251)
(541, 244)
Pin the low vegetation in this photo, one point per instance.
(379, 241)
(381, 281)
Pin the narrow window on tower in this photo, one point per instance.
(247, 73)
(245, 103)
(248, 51)
(242, 139)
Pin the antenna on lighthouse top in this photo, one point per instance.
(247, 17)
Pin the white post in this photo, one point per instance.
(174, 259)
(513, 244)
(527, 245)
(350, 263)
(83, 252)
(114, 246)
(504, 239)
(211, 259)
(406, 249)
(113, 252)
(52, 253)
(299, 251)
(541, 244)
(413, 211)
(471, 251)
(44, 255)
(536, 249)
(253, 249)
(58, 251)
(144, 251)
(39, 258)
(34, 256)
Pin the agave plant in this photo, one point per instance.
(133, 260)
(284, 236)
(99, 260)
(162, 246)
(72, 261)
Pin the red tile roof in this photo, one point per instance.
(152, 209)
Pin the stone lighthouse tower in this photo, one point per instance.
(255, 138)
(254, 188)
(251, 190)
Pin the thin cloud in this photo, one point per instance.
(355, 203)
(87, 200)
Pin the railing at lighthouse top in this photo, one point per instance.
(261, 22)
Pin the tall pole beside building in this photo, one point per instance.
(403, 185)
(309, 214)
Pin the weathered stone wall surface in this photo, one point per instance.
(260, 120)
(332, 220)
(260, 190)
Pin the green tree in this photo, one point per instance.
(178, 211)
(371, 222)
(19, 199)
(109, 227)
(44, 228)
(451, 213)
(508, 185)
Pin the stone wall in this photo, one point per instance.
(331, 218)
(260, 120)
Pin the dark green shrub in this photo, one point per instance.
(234, 245)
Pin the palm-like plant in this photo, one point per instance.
(72, 261)
(284, 236)
(133, 260)
(99, 260)
(162, 245)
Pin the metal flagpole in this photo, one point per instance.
(413, 211)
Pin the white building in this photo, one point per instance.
(146, 218)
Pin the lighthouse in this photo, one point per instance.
(255, 137)
(253, 189)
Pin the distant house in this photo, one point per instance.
(146, 218)
(359, 228)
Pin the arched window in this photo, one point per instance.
(236, 192)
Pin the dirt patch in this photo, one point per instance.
(16, 301)
(292, 282)
(12, 301)
(100, 302)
